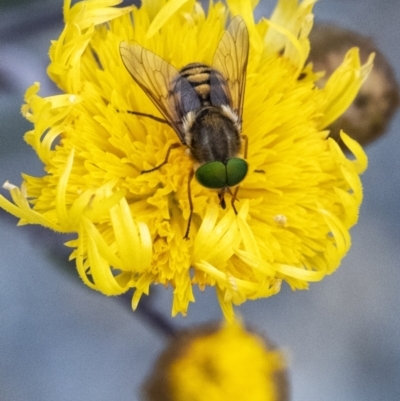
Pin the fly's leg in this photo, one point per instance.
(173, 146)
(234, 194)
(160, 120)
(246, 145)
(138, 113)
(190, 205)
(221, 197)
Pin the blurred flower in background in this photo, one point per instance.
(214, 363)
(298, 201)
(368, 116)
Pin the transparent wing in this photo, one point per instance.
(231, 58)
(156, 77)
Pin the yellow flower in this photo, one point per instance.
(218, 364)
(296, 204)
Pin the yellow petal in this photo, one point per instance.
(165, 13)
(343, 86)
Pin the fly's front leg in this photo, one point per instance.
(191, 174)
(221, 197)
(234, 194)
(246, 145)
(233, 197)
(246, 148)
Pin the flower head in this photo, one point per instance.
(218, 363)
(295, 206)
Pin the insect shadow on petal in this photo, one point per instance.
(204, 106)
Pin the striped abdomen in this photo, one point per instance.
(198, 76)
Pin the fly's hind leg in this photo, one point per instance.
(138, 113)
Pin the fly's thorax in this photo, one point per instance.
(187, 124)
(228, 112)
(213, 135)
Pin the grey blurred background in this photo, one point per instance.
(61, 341)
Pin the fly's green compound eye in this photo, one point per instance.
(212, 175)
(236, 170)
(216, 175)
